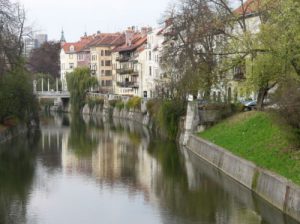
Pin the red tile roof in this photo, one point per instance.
(108, 39)
(137, 41)
(249, 7)
(78, 46)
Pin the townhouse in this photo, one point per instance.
(128, 66)
(73, 55)
(101, 58)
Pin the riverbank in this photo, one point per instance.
(7, 133)
(259, 137)
(161, 117)
(277, 190)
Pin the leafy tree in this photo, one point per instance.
(189, 55)
(45, 59)
(79, 82)
(16, 96)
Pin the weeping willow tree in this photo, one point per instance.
(79, 82)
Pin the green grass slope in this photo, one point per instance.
(260, 138)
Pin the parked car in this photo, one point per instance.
(249, 104)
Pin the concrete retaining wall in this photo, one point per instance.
(275, 189)
(133, 115)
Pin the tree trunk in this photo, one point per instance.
(262, 93)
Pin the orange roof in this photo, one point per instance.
(78, 46)
(137, 41)
(249, 7)
(107, 39)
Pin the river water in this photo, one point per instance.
(87, 171)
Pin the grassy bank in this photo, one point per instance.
(261, 138)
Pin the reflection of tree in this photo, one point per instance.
(81, 140)
(174, 193)
(17, 166)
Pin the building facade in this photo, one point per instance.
(101, 59)
(73, 55)
(127, 67)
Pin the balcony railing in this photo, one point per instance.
(123, 58)
(128, 84)
(124, 71)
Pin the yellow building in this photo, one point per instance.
(101, 58)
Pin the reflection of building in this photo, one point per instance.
(120, 159)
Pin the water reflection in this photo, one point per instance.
(17, 171)
(89, 170)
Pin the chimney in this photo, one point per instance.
(145, 31)
(129, 33)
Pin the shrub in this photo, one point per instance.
(287, 99)
(120, 105)
(95, 101)
(134, 103)
(167, 117)
(112, 103)
(152, 105)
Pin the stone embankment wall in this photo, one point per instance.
(140, 116)
(275, 189)
(12, 132)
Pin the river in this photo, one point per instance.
(85, 170)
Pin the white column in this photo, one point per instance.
(42, 85)
(48, 86)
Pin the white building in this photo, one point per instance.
(73, 55)
(150, 59)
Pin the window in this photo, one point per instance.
(102, 63)
(107, 63)
(94, 57)
(70, 56)
(94, 67)
(149, 55)
(102, 83)
(107, 52)
(80, 57)
(102, 72)
(102, 53)
(71, 65)
(150, 70)
(108, 73)
(108, 83)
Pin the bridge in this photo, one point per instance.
(52, 94)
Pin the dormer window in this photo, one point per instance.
(72, 48)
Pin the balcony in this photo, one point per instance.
(125, 71)
(128, 84)
(123, 58)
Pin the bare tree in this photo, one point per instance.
(191, 46)
(12, 20)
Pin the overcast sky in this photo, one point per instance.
(78, 16)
